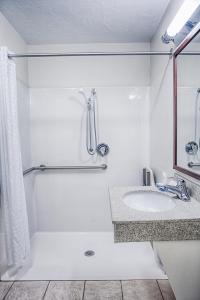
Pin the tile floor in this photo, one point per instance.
(87, 290)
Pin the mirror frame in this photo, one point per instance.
(176, 52)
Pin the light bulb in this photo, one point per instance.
(184, 13)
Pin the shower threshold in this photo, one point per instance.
(88, 256)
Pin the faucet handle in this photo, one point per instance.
(185, 192)
(180, 181)
(172, 180)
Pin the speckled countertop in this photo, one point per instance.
(123, 213)
(179, 223)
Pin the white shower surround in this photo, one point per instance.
(73, 207)
(56, 113)
(123, 87)
(79, 201)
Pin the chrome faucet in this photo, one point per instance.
(180, 189)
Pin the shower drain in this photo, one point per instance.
(89, 253)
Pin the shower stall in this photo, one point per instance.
(82, 131)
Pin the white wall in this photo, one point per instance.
(13, 41)
(181, 260)
(79, 201)
(176, 263)
(161, 115)
(89, 71)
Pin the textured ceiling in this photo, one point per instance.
(84, 21)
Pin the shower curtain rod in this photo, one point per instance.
(71, 54)
(60, 54)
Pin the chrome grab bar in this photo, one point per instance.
(44, 167)
(27, 171)
(192, 164)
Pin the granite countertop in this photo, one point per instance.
(179, 223)
(123, 213)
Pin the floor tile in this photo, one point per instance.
(141, 290)
(166, 290)
(27, 290)
(4, 287)
(65, 290)
(103, 290)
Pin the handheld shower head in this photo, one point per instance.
(81, 91)
(93, 91)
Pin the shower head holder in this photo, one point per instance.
(102, 149)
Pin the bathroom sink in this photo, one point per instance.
(148, 201)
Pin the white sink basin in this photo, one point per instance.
(149, 201)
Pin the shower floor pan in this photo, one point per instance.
(64, 256)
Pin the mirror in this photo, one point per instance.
(187, 105)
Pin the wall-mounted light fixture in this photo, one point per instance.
(183, 15)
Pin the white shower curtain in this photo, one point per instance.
(13, 203)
